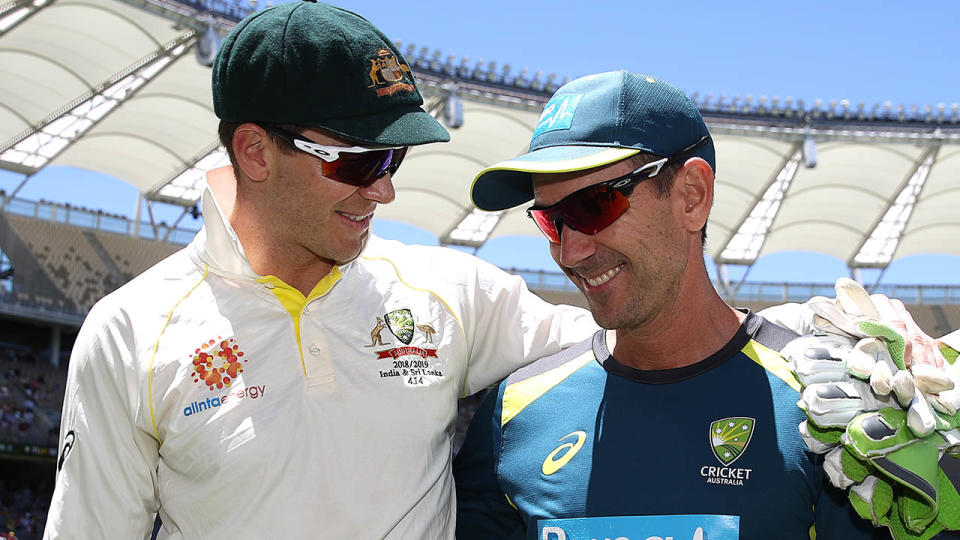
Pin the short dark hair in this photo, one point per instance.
(226, 130)
(663, 181)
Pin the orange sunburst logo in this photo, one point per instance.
(217, 362)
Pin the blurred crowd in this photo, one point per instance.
(31, 396)
(23, 513)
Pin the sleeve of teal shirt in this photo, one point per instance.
(482, 508)
(836, 518)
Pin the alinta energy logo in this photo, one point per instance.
(217, 362)
(729, 438)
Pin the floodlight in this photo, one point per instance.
(207, 45)
(453, 108)
(809, 152)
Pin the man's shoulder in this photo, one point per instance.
(553, 369)
(155, 288)
(770, 334)
(419, 262)
(547, 376)
(380, 247)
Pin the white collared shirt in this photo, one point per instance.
(237, 408)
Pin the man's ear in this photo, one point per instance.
(696, 192)
(251, 151)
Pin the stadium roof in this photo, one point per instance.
(117, 86)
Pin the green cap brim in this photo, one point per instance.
(509, 183)
(408, 126)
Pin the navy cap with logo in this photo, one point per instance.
(593, 121)
(320, 66)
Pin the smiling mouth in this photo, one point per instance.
(602, 278)
(356, 218)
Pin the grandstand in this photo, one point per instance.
(784, 169)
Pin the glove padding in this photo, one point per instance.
(912, 494)
(831, 396)
(922, 388)
(874, 419)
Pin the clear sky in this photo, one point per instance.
(878, 51)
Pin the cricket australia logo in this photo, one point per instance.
(408, 361)
(400, 323)
(729, 438)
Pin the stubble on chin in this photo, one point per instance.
(363, 244)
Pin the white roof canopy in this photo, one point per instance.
(114, 86)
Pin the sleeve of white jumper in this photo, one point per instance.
(796, 317)
(507, 327)
(107, 465)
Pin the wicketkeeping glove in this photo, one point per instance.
(872, 418)
(923, 389)
(913, 494)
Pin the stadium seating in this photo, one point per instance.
(83, 264)
(132, 255)
(68, 259)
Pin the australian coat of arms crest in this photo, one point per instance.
(388, 75)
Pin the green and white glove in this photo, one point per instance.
(922, 388)
(915, 493)
(888, 433)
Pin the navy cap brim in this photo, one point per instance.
(509, 183)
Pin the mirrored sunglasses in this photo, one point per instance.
(352, 165)
(594, 208)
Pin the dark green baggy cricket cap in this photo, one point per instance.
(320, 66)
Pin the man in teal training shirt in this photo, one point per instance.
(680, 419)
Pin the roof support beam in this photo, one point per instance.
(153, 222)
(173, 227)
(743, 246)
(13, 193)
(184, 186)
(14, 13)
(877, 249)
(33, 149)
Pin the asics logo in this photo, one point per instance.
(562, 454)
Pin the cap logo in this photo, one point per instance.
(388, 75)
(558, 113)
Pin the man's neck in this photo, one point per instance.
(695, 325)
(294, 265)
